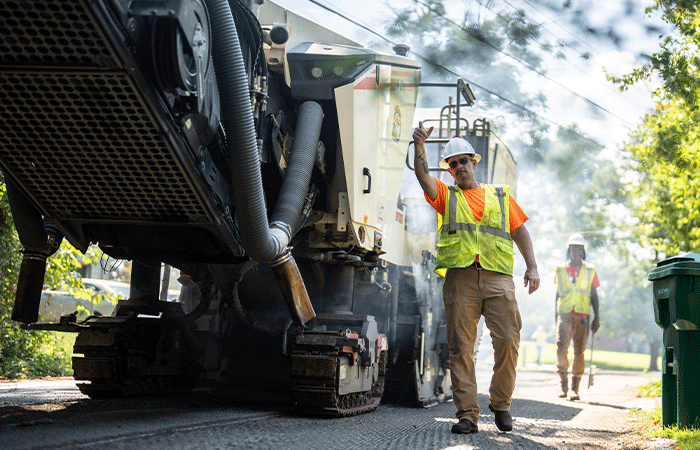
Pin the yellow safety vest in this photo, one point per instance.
(575, 296)
(462, 237)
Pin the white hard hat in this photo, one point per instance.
(457, 146)
(576, 239)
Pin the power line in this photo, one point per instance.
(526, 65)
(553, 21)
(351, 20)
(344, 16)
(483, 42)
(606, 86)
(510, 102)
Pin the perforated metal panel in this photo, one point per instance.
(85, 146)
(50, 33)
(73, 127)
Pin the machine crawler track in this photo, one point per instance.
(338, 373)
(346, 406)
(125, 357)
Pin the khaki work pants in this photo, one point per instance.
(570, 326)
(470, 293)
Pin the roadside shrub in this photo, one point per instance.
(27, 355)
(22, 354)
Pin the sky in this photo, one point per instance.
(616, 34)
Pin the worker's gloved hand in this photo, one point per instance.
(595, 325)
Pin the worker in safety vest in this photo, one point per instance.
(576, 283)
(480, 224)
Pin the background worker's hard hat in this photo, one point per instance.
(576, 239)
(457, 146)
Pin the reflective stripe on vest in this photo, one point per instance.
(462, 238)
(575, 297)
(454, 226)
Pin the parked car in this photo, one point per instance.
(116, 289)
(55, 303)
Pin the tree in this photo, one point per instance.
(492, 54)
(24, 353)
(663, 159)
(19, 350)
(664, 150)
(628, 306)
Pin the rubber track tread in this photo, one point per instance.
(118, 385)
(352, 404)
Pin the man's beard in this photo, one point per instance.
(463, 177)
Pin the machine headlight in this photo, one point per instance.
(316, 72)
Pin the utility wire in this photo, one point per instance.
(567, 60)
(351, 20)
(452, 72)
(526, 65)
(551, 20)
(555, 22)
(558, 39)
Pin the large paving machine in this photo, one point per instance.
(262, 155)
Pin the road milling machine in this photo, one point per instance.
(259, 153)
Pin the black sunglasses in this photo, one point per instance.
(462, 161)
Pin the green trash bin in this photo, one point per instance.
(676, 286)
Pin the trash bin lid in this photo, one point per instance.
(682, 264)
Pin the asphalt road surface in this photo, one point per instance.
(54, 415)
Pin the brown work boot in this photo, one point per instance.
(564, 385)
(575, 382)
(465, 426)
(504, 421)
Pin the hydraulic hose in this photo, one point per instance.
(295, 186)
(262, 242)
(237, 120)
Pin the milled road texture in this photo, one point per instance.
(35, 415)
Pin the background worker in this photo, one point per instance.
(576, 283)
(480, 224)
(540, 338)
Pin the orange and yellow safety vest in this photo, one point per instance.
(576, 296)
(462, 238)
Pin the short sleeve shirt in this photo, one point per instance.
(573, 272)
(476, 199)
